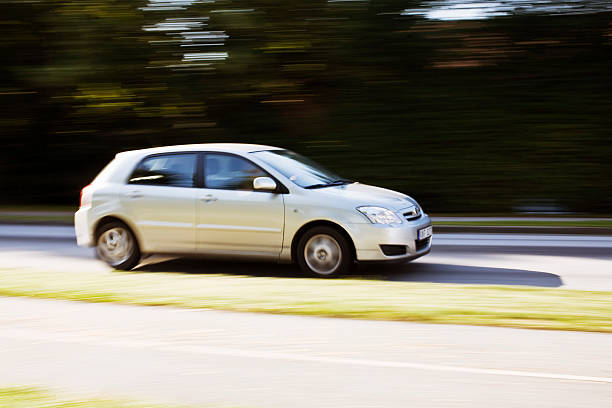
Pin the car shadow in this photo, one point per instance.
(450, 273)
(410, 272)
(212, 267)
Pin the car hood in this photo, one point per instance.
(358, 194)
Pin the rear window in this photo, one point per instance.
(174, 170)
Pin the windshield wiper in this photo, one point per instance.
(339, 182)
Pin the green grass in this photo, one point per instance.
(36, 214)
(39, 208)
(69, 218)
(53, 218)
(65, 215)
(19, 397)
(529, 223)
(20, 214)
(508, 306)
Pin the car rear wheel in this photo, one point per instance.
(324, 252)
(117, 246)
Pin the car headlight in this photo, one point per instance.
(380, 215)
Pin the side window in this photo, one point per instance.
(175, 170)
(229, 172)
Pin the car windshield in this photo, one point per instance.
(299, 169)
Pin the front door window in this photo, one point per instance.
(228, 172)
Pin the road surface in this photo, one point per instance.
(221, 359)
(255, 360)
(554, 261)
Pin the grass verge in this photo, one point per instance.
(529, 223)
(34, 218)
(39, 208)
(19, 397)
(56, 214)
(508, 306)
(69, 219)
(37, 214)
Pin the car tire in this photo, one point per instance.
(324, 252)
(117, 246)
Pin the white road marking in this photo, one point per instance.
(38, 336)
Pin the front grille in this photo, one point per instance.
(393, 250)
(421, 244)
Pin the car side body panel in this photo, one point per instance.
(240, 222)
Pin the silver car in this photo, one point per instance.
(244, 200)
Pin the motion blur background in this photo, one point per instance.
(488, 107)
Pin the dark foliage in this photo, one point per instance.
(488, 115)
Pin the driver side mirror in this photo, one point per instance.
(264, 184)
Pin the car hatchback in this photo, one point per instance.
(244, 200)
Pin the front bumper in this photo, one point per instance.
(368, 239)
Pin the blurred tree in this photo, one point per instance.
(504, 108)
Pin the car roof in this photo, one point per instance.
(221, 147)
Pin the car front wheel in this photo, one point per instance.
(117, 246)
(324, 252)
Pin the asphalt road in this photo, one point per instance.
(213, 358)
(566, 261)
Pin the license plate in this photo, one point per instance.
(425, 232)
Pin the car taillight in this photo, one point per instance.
(85, 196)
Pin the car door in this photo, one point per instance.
(160, 199)
(233, 218)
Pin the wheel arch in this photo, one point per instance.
(107, 219)
(320, 223)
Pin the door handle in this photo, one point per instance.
(134, 194)
(208, 198)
